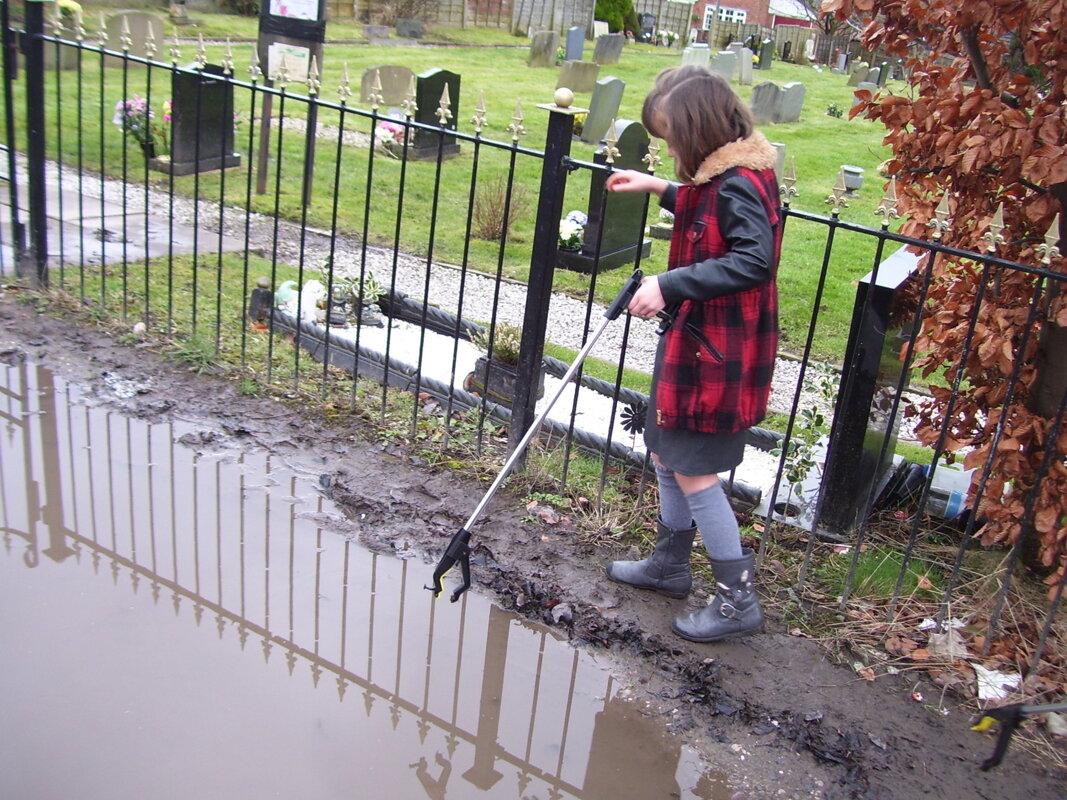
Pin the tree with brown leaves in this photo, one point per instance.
(984, 123)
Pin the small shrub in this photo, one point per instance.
(489, 203)
(505, 342)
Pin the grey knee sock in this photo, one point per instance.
(718, 525)
(673, 508)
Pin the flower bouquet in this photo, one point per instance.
(572, 230)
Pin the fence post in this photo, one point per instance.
(34, 263)
(542, 268)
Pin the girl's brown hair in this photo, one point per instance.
(697, 113)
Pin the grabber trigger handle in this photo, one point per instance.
(626, 294)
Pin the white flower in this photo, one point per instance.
(578, 217)
(570, 234)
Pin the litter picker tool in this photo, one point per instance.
(1009, 717)
(459, 550)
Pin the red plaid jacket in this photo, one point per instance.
(720, 352)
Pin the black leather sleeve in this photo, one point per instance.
(670, 195)
(744, 225)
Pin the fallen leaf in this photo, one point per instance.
(867, 674)
(921, 654)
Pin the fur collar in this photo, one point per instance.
(753, 153)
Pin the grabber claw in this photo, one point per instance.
(458, 551)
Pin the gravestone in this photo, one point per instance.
(865, 86)
(600, 28)
(410, 28)
(792, 102)
(766, 103)
(724, 62)
(373, 32)
(766, 53)
(787, 51)
(429, 88)
(543, 48)
(603, 108)
(620, 231)
(202, 124)
(575, 43)
(647, 24)
(139, 24)
(858, 73)
(395, 81)
(859, 458)
(744, 67)
(578, 76)
(608, 48)
(696, 55)
(874, 75)
(883, 73)
(841, 64)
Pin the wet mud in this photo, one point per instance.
(763, 716)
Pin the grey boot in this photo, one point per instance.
(665, 571)
(735, 608)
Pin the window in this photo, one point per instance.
(731, 15)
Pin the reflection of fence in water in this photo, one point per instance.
(241, 540)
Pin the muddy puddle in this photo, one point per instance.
(190, 620)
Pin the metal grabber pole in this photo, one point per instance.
(459, 550)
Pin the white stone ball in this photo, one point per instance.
(563, 97)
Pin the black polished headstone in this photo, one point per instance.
(864, 432)
(623, 217)
(429, 88)
(202, 122)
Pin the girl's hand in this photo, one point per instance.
(648, 299)
(631, 180)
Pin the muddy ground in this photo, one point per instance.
(798, 725)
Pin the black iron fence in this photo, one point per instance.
(207, 230)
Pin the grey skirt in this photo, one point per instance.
(690, 452)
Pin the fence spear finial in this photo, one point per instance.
(255, 72)
(344, 91)
(409, 105)
(516, 128)
(55, 19)
(201, 52)
(651, 158)
(101, 34)
(1048, 250)
(941, 222)
(444, 108)
(175, 51)
(374, 97)
(227, 58)
(314, 84)
(789, 179)
(124, 34)
(150, 43)
(887, 210)
(837, 195)
(994, 236)
(479, 119)
(611, 151)
(79, 25)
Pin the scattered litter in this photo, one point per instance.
(1056, 724)
(949, 644)
(917, 697)
(931, 624)
(993, 685)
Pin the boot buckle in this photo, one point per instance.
(728, 610)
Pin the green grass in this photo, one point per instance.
(877, 572)
(490, 64)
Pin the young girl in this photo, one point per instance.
(712, 374)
